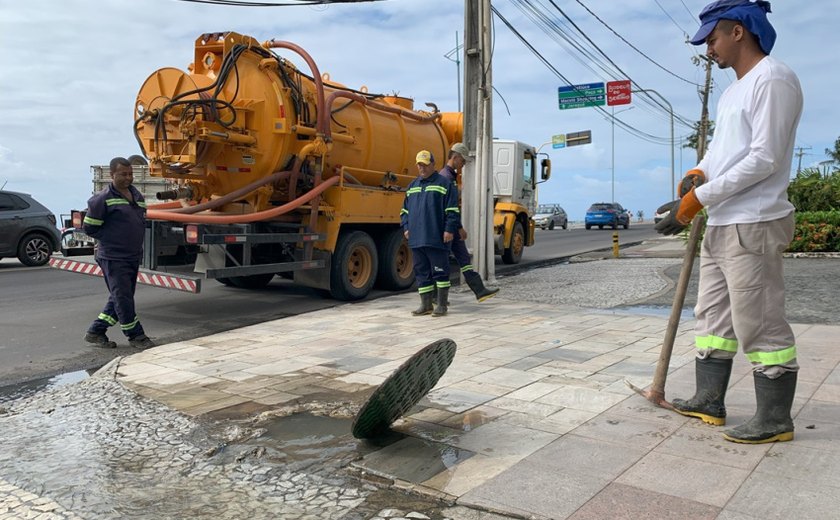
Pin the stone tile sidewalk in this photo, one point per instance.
(532, 418)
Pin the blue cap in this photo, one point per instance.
(752, 15)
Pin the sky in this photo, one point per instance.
(70, 71)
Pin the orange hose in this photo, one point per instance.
(242, 219)
(165, 205)
(221, 201)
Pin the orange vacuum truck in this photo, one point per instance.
(276, 170)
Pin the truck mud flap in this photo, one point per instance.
(190, 284)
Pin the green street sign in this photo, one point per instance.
(581, 96)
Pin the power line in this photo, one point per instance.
(620, 73)
(671, 18)
(625, 41)
(629, 128)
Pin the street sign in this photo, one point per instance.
(580, 96)
(579, 138)
(558, 141)
(618, 92)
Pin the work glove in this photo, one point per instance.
(682, 212)
(693, 179)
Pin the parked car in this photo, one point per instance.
(549, 216)
(27, 229)
(607, 214)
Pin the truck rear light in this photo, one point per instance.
(77, 219)
(191, 233)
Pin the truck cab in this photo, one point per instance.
(516, 168)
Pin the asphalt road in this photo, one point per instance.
(44, 312)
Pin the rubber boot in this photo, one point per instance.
(712, 378)
(441, 307)
(425, 304)
(771, 422)
(434, 298)
(477, 285)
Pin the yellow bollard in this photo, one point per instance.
(615, 244)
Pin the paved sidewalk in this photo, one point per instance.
(533, 418)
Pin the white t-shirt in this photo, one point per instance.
(747, 166)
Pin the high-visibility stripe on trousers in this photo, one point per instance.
(121, 280)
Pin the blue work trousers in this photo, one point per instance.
(121, 280)
(461, 254)
(431, 267)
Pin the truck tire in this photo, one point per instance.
(253, 281)
(396, 269)
(513, 254)
(353, 267)
(35, 249)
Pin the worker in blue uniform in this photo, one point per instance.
(430, 218)
(116, 218)
(458, 157)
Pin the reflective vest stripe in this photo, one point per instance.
(115, 202)
(94, 221)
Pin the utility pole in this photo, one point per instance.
(478, 136)
(703, 131)
(799, 153)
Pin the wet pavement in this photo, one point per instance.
(531, 420)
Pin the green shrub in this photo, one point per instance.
(816, 231)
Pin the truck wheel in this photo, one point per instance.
(396, 268)
(588, 226)
(34, 250)
(254, 281)
(353, 267)
(513, 254)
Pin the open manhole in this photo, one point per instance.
(403, 389)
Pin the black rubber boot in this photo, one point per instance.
(712, 378)
(771, 422)
(482, 293)
(442, 305)
(425, 304)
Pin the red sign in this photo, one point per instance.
(618, 92)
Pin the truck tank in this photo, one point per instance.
(244, 131)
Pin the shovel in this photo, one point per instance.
(656, 393)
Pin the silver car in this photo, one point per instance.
(27, 229)
(549, 216)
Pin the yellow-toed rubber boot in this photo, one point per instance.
(771, 422)
(712, 377)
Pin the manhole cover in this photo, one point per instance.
(403, 389)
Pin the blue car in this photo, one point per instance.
(607, 214)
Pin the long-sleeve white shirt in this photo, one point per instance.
(747, 166)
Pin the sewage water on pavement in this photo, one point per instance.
(653, 310)
(101, 451)
(20, 390)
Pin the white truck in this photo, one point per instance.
(515, 173)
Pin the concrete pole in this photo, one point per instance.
(477, 199)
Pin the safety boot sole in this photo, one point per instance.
(487, 297)
(779, 437)
(706, 418)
